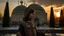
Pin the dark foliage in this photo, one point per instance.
(52, 19)
(6, 18)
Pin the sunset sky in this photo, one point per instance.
(46, 4)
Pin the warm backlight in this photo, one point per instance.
(57, 14)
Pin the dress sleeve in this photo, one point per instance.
(22, 30)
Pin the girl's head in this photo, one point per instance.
(28, 14)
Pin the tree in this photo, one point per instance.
(6, 18)
(52, 19)
(61, 21)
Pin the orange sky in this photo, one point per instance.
(13, 5)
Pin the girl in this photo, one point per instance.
(27, 28)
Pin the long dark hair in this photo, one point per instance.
(29, 11)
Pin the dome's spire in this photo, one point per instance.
(21, 2)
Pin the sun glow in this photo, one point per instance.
(57, 14)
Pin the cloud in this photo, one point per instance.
(49, 2)
(2, 1)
